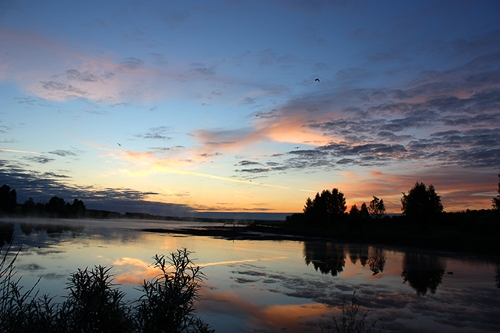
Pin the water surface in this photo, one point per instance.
(269, 286)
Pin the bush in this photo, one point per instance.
(167, 303)
(95, 305)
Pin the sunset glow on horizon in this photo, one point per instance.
(175, 108)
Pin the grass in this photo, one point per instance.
(95, 304)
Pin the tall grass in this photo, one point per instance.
(95, 304)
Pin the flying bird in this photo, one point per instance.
(118, 144)
(297, 147)
(317, 80)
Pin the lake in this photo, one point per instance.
(270, 286)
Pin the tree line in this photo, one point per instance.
(56, 207)
(420, 202)
(423, 221)
(421, 209)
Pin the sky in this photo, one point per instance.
(177, 108)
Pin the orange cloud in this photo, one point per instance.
(284, 128)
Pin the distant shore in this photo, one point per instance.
(466, 232)
(479, 237)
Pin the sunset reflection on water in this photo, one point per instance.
(268, 286)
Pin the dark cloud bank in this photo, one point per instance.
(43, 186)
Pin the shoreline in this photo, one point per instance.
(279, 234)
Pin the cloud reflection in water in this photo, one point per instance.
(268, 286)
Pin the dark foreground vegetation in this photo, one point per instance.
(94, 304)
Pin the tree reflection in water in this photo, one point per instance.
(6, 233)
(329, 258)
(359, 252)
(423, 272)
(325, 257)
(52, 230)
(497, 277)
(376, 261)
(372, 256)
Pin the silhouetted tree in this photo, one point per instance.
(354, 212)
(56, 207)
(40, 208)
(326, 207)
(309, 206)
(8, 199)
(377, 207)
(421, 202)
(496, 201)
(78, 208)
(363, 212)
(29, 207)
(336, 203)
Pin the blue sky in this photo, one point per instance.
(179, 107)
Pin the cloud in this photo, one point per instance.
(248, 101)
(157, 133)
(352, 75)
(175, 19)
(132, 63)
(159, 59)
(54, 175)
(255, 170)
(245, 163)
(42, 186)
(74, 74)
(203, 71)
(39, 159)
(392, 126)
(59, 87)
(387, 56)
(476, 45)
(4, 129)
(65, 153)
(34, 62)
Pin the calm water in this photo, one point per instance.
(270, 286)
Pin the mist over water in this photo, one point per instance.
(269, 286)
